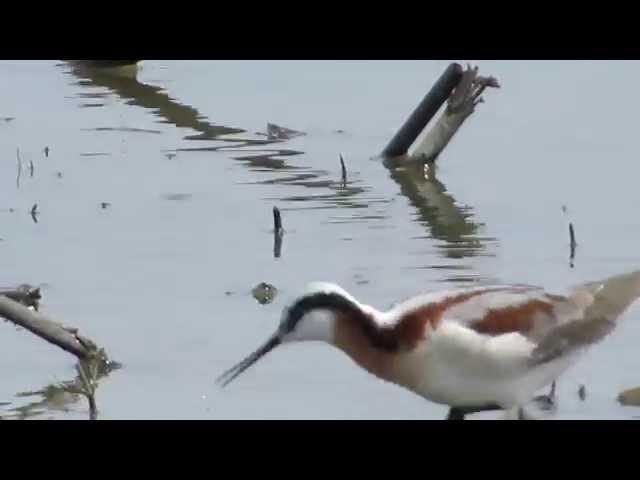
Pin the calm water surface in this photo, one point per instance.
(162, 277)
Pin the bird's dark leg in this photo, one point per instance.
(455, 413)
(459, 413)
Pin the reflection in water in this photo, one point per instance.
(154, 98)
(255, 152)
(438, 210)
(63, 395)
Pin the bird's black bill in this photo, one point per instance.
(237, 369)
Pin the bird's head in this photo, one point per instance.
(310, 317)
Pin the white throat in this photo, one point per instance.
(315, 326)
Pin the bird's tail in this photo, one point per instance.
(603, 303)
(610, 297)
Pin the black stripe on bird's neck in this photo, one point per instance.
(381, 338)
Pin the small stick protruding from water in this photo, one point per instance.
(582, 392)
(46, 152)
(19, 168)
(88, 381)
(572, 239)
(34, 212)
(344, 172)
(31, 168)
(277, 220)
(277, 232)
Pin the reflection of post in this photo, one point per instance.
(148, 96)
(447, 221)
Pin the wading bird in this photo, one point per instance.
(473, 349)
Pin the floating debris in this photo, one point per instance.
(170, 156)
(59, 174)
(227, 293)
(46, 152)
(31, 168)
(264, 293)
(630, 397)
(282, 133)
(7, 119)
(105, 204)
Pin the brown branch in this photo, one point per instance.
(46, 328)
(24, 294)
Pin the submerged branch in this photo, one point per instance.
(66, 338)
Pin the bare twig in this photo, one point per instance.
(573, 244)
(19, 168)
(278, 232)
(344, 171)
(572, 239)
(34, 212)
(88, 375)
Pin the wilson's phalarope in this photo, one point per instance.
(474, 349)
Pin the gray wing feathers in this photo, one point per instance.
(603, 303)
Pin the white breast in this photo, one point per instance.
(458, 366)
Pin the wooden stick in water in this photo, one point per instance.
(414, 125)
(344, 172)
(278, 232)
(573, 244)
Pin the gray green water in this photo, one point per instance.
(162, 277)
